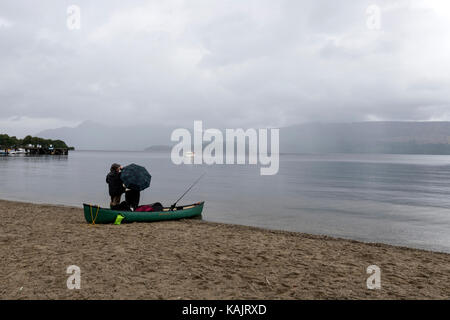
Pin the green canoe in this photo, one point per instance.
(103, 215)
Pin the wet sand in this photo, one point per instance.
(193, 259)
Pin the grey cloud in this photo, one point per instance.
(246, 63)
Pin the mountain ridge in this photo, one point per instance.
(423, 137)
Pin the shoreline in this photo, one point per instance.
(196, 259)
(318, 235)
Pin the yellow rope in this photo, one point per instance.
(96, 214)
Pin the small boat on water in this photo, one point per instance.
(13, 151)
(95, 214)
(20, 151)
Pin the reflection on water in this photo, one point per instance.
(399, 199)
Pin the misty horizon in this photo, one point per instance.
(375, 136)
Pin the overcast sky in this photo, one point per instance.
(229, 63)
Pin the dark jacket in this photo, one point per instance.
(115, 184)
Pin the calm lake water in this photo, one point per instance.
(396, 199)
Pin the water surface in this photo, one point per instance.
(396, 199)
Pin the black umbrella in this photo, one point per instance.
(135, 177)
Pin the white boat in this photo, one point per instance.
(17, 151)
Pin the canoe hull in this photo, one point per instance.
(103, 215)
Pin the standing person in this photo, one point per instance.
(115, 184)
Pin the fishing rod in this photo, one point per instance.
(175, 204)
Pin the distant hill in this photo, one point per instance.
(158, 148)
(357, 137)
(93, 136)
(367, 137)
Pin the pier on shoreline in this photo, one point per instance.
(34, 151)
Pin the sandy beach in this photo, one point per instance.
(194, 259)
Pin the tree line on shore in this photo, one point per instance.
(13, 142)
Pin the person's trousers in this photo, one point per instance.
(132, 198)
(115, 200)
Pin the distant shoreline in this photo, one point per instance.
(282, 153)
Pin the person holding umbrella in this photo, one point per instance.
(135, 178)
